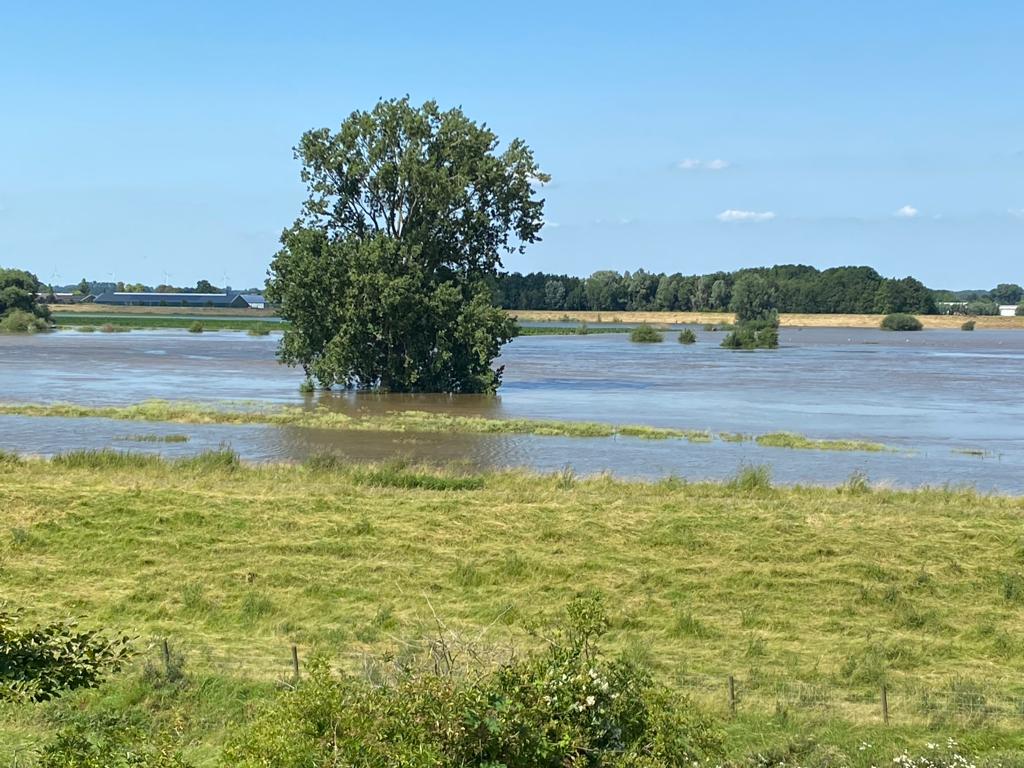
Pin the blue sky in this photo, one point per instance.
(152, 141)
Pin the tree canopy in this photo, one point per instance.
(385, 277)
(791, 288)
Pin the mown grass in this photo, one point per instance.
(810, 597)
(404, 421)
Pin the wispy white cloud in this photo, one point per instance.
(1017, 213)
(551, 225)
(732, 215)
(906, 212)
(693, 164)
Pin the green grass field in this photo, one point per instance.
(811, 598)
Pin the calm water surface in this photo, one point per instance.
(931, 394)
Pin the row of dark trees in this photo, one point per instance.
(786, 288)
(85, 287)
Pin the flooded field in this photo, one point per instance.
(948, 401)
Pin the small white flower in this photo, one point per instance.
(591, 701)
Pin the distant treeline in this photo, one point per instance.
(787, 288)
(96, 287)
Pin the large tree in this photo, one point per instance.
(384, 277)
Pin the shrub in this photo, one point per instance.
(899, 321)
(645, 334)
(1020, 310)
(754, 334)
(968, 326)
(38, 663)
(196, 327)
(106, 744)
(565, 705)
(687, 336)
(20, 321)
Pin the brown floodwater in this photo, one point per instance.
(950, 401)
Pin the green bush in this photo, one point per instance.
(645, 334)
(754, 334)
(196, 327)
(38, 663)
(106, 745)
(686, 336)
(1020, 310)
(968, 326)
(20, 321)
(899, 321)
(567, 705)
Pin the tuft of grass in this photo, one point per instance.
(752, 478)
(104, 459)
(85, 328)
(968, 326)
(687, 336)
(258, 330)
(397, 476)
(196, 327)
(645, 334)
(112, 328)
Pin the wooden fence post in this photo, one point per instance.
(295, 661)
(732, 695)
(885, 705)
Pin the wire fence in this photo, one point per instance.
(900, 701)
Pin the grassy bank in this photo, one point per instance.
(141, 322)
(407, 421)
(811, 598)
(786, 320)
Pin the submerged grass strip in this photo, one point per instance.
(800, 442)
(408, 421)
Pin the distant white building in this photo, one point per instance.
(1007, 310)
